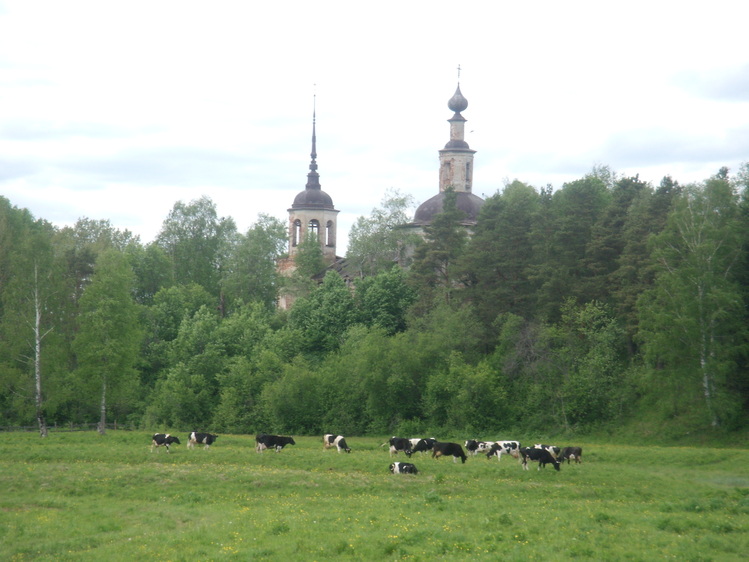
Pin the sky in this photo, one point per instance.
(113, 110)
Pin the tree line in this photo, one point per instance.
(606, 302)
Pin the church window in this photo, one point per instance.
(296, 232)
(314, 228)
(330, 234)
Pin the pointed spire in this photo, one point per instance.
(313, 178)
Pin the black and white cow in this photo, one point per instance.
(206, 439)
(475, 447)
(329, 440)
(399, 444)
(553, 449)
(163, 440)
(445, 449)
(422, 445)
(500, 448)
(403, 468)
(571, 454)
(537, 454)
(264, 441)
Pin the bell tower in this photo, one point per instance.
(455, 171)
(456, 159)
(312, 214)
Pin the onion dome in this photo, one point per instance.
(457, 103)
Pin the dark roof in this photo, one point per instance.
(469, 203)
(313, 199)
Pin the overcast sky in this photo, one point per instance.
(117, 110)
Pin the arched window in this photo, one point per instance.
(296, 232)
(468, 176)
(314, 228)
(330, 234)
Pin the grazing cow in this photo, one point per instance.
(500, 448)
(264, 441)
(444, 449)
(403, 468)
(571, 454)
(542, 456)
(329, 440)
(399, 444)
(475, 447)
(422, 445)
(163, 440)
(553, 449)
(206, 439)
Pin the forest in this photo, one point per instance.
(604, 304)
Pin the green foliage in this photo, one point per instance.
(153, 271)
(250, 275)
(181, 399)
(309, 259)
(466, 396)
(693, 319)
(603, 303)
(324, 316)
(293, 403)
(107, 343)
(562, 233)
(500, 253)
(198, 243)
(378, 241)
(383, 300)
(163, 319)
(434, 270)
(592, 346)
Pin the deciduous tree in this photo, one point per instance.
(109, 337)
(692, 320)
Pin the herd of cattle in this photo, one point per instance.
(540, 453)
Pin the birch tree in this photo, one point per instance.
(692, 319)
(109, 336)
(30, 285)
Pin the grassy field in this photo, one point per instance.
(81, 496)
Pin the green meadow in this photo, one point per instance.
(82, 496)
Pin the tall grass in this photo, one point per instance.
(81, 496)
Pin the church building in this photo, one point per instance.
(312, 213)
(456, 171)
